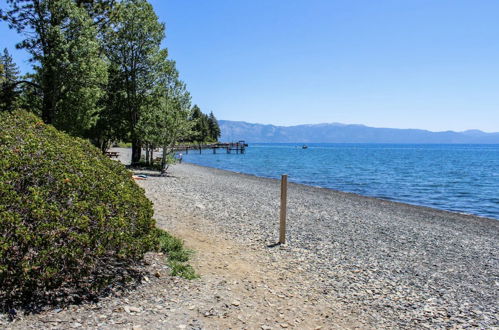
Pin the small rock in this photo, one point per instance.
(131, 309)
(284, 325)
(76, 325)
(157, 274)
(236, 303)
(266, 327)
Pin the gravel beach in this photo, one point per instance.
(349, 262)
(396, 265)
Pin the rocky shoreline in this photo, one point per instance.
(349, 262)
(396, 264)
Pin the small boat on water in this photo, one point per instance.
(304, 146)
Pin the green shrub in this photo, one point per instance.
(177, 255)
(71, 219)
(183, 270)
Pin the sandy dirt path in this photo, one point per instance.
(249, 287)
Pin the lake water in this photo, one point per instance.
(460, 178)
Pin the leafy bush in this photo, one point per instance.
(70, 218)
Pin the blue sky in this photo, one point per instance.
(385, 63)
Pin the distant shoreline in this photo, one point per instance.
(349, 133)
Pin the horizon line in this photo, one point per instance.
(337, 123)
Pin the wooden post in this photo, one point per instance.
(284, 195)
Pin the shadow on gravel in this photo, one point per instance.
(273, 245)
(153, 175)
(121, 280)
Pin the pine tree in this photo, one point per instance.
(201, 128)
(61, 37)
(9, 76)
(213, 127)
(133, 46)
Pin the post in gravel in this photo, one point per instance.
(284, 195)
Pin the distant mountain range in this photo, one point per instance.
(341, 133)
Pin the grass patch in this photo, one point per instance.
(183, 270)
(177, 254)
(123, 144)
(142, 165)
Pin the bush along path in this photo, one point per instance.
(72, 222)
(74, 227)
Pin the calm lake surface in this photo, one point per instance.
(459, 178)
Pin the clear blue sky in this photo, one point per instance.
(386, 63)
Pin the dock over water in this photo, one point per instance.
(239, 147)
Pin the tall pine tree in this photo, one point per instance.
(9, 76)
(213, 127)
(61, 37)
(133, 46)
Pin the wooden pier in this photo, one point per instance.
(238, 147)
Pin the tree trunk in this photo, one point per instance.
(136, 151)
(49, 91)
(48, 107)
(103, 145)
(164, 165)
(148, 150)
(151, 155)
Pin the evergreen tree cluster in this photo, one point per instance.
(99, 72)
(206, 126)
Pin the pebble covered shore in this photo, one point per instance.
(396, 264)
(349, 262)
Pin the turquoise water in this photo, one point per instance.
(460, 178)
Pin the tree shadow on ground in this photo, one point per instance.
(121, 279)
(154, 175)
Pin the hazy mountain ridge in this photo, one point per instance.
(345, 133)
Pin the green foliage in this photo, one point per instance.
(177, 255)
(61, 37)
(167, 119)
(214, 129)
(79, 70)
(183, 270)
(99, 72)
(124, 144)
(133, 47)
(70, 218)
(9, 76)
(206, 127)
(172, 246)
(201, 125)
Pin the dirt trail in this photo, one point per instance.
(250, 287)
(241, 287)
